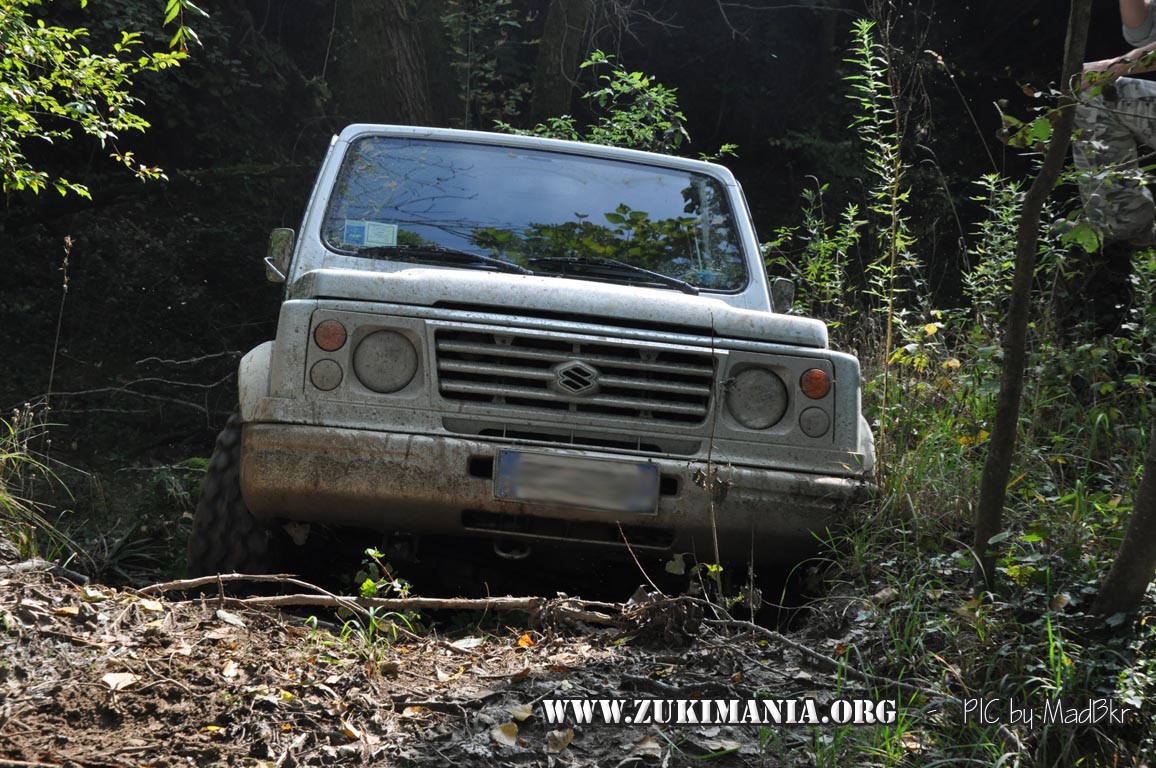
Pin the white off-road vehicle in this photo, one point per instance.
(539, 344)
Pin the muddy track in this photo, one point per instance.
(95, 676)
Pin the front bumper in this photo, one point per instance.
(443, 486)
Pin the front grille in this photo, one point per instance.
(552, 374)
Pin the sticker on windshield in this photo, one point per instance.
(369, 233)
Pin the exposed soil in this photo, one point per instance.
(97, 676)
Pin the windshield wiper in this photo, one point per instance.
(439, 254)
(593, 265)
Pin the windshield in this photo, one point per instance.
(534, 209)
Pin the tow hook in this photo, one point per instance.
(511, 550)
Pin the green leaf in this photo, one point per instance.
(999, 537)
(368, 588)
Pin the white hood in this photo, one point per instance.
(585, 298)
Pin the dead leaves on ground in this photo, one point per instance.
(221, 682)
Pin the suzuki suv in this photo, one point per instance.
(533, 344)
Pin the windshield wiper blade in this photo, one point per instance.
(582, 265)
(439, 254)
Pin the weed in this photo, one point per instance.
(376, 629)
(23, 520)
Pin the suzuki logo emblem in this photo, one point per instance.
(575, 378)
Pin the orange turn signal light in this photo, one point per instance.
(815, 383)
(330, 335)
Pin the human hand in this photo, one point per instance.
(1103, 72)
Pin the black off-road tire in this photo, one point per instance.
(226, 537)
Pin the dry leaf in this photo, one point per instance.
(414, 711)
(213, 728)
(525, 641)
(506, 733)
(349, 730)
(885, 596)
(1060, 601)
(556, 741)
(648, 747)
(67, 610)
(467, 643)
(445, 677)
(521, 711)
(230, 618)
(721, 745)
(152, 606)
(92, 595)
(911, 742)
(230, 669)
(118, 681)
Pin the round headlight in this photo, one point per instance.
(757, 398)
(385, 361)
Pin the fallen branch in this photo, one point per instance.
(531, 605)
(6, 763)
(31, 566)
(204, 581)
(560, 608)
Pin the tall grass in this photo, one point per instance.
(22, 470)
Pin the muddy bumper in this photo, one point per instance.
(441, 486)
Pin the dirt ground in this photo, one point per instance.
(96, 676)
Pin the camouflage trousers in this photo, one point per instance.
(1111, 128)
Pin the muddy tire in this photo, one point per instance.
(226, 537)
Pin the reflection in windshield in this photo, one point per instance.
(519, 205)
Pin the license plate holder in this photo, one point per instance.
(607, 485)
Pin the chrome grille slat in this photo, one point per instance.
(500, 390)
(538, 374)
(518, 371)
(594, 359)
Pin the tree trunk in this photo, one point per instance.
(1135, 563)
(997, 467)
(559, 54)
(391, 63)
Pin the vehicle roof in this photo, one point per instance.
(359, 130)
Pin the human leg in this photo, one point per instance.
(1111, 127)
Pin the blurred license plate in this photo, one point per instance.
(576, 481)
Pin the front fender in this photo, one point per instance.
(253, 379)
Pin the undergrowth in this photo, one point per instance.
(931, 376)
